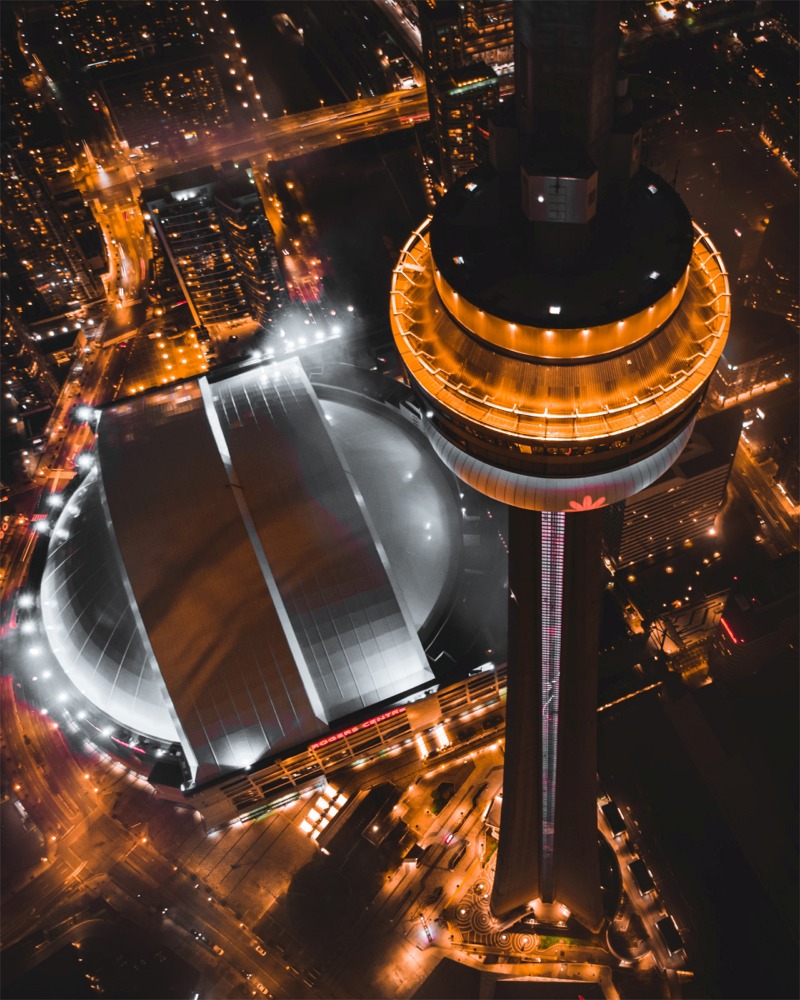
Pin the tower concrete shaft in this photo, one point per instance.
(548, 824)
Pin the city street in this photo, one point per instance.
(753, 486)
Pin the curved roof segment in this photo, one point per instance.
(91, 624)
(260, 602)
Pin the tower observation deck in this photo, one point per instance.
(560, 316)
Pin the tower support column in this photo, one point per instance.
(517, 873)
(548, 837)
(577, 870)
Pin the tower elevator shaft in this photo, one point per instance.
(548, 832)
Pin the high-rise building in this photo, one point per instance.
(459, 102)
(760, 620)
(489, 33)
(441, 31)
(252, 244)
(220, 243)
(773, 282)
(460, 44)
(39, 242)
(456, 33)
(186, 219)
(681, 506)
(759, 357)
(562, 343)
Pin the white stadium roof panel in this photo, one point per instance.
(217, 579)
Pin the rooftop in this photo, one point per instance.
(486, 251)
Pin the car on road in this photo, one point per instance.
(261, 988)
(641, 876)
(216, 948)
(311, 978)
(455, 861)
(259, 949)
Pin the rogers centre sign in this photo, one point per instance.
(356, 729)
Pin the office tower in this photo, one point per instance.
(458, 102)
(560, 317)
(489, 33)
(455, 33)
(773, 282)
(252, 244)
(680, 507)
(441, 30)
(39, 242)
(458, 42)
(220, 243)
(761, 355)
(186, 219)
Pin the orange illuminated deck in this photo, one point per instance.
(539, 398)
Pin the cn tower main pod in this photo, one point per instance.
(560, 317)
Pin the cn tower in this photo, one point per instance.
(560, 317)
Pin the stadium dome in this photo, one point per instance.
(247, 562)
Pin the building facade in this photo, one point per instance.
(251, 240)
(186, 220)
(465, 48)
(215, 233)
(681, 506)
(760, 620)
(459, 103)
(761, 355)
(39, 241)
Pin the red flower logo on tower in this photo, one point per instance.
(587, 503)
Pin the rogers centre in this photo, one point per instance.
(252, 566)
